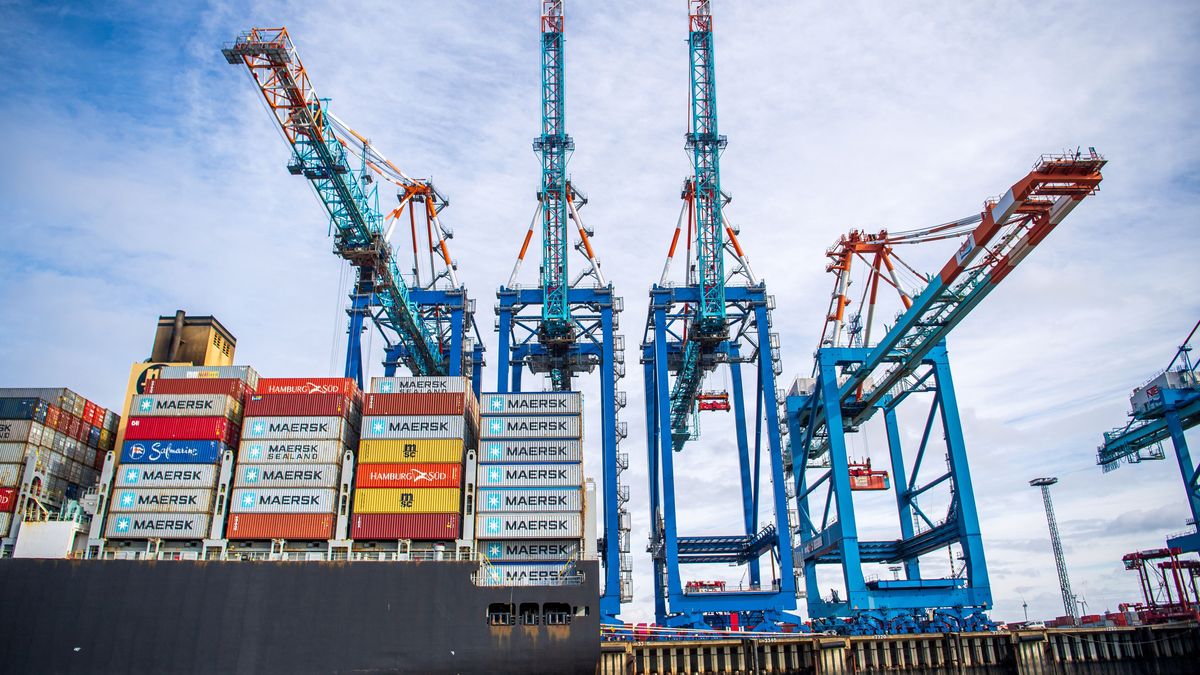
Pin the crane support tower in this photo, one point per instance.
(426, 321)
(906, 369)
(1060, 561)
(718, 317)
(1165, 407)
(565, 327)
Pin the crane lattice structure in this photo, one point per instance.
(719, 316)
(426, 322)
(564, 327)
(856, 378)
(1165, 407)
(1060, 560)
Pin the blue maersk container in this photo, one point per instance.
(172, 452)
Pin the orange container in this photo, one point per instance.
(280, 526)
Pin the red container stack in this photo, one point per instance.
(275, 495)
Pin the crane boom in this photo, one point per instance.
(1009, 229)
(708, 325)
(553, 146)
(319, 156)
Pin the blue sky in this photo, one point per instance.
(143, 175)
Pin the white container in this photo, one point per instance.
(286, 475)
(185, 405)
(157, 526)
(10, 475)
(243, 373)
(530, 475)
(288, 452)
(523, 426)
(419, 385)
(527, 574)
(160, 500)
(503, 550)
(16, 452)
(299, 429)
(166, 475)
(21, 431)
(528, 526)
(414, 427)
(545, 403)
(529, 499)
(5, 523)
(530, 451)
(282, 500)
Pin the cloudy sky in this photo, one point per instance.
(143, 175)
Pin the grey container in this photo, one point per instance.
(157, 526)
(543, 403)
(567, 427)
(287, 452)
(21, 431)
(186, 405)
(16, 452)
(10, 474)
(414, 427)
(528, 526)
(287, 475)
(529, 499)
(419, 385)
(243, 373)
(530, 475)
(504, 550)
(282, 500)
(300, 429)
(527, 574)
(166, 475)
(161, 500)
(514, 451)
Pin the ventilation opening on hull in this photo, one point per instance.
(530, 614)
(556, 613)
(500, 614)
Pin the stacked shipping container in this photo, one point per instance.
(529, 484)
(165, 483)
(416, 431)
(289, 467)
(67, 435)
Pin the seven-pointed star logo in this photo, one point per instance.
(131, 476)
(248, 500)
(494, 501)
(377, 427)
(496, 426)
(386, 387)
(251, 475)
(259, 427)
(493, 475)
(493, 524)
(495, 452)
(494, 550)
(255, 451)
(147, 404)
(122, 524)
(127, 499)
(497, 404)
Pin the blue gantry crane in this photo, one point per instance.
(1163, 408)
(565, 327)
(854, 379)
(427, 324)
(719, 317)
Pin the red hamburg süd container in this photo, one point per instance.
(408, 476)
(280, 526)
(344, 386)
(427, 526)
(8, 500)
(298, 405)
(182, 429)
(73, 424)
(222, 385)
(89, 412)
(53, 414)
(422, 404)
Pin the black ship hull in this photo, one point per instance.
(124, 616)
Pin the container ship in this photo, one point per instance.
(227, 522)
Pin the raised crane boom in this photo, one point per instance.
(1009, 229)
(553, 146)
(319, 156)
